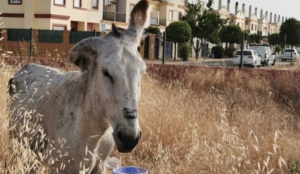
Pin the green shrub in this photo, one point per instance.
(184, 51)
(152, 30)
(278, 49)
(229, 52)
(218, 51)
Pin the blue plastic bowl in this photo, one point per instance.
(129, 170)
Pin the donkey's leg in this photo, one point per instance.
(104, 147)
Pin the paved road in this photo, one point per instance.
(225, 62)
(228, 62)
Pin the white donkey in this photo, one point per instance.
(84, 114)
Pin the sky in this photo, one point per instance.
(286, 8)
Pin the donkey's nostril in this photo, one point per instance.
(119, 135)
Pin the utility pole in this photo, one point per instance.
(284, 40)
(242, 51)
(164, 47)
(30, 43)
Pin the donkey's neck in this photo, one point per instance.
(92, 114)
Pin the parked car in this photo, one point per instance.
(265, 53)
(250, 58)
(289, 54)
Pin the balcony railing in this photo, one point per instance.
(158, 21)
(162, 22)
(114, 16)
(259, 33)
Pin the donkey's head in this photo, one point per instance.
(115, 68)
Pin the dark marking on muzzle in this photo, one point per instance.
(129, 114)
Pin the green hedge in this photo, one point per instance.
(184, 51)
(218, 51)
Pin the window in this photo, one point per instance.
(95, 4)
(59, 27)
(15, 1)
(247, 53)
(289, 50)
(59, 2)
(252, 27)
(265, 29)
(77, 3)
(179, 15)
(171, 15)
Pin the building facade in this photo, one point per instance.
(252, 23)
(83, 15)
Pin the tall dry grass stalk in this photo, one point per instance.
(199, 121)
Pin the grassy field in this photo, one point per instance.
(200, 120)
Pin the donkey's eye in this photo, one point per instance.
(106, 74)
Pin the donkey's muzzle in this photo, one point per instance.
(126, 143)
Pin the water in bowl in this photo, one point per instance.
(129, 170)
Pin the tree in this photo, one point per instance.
(152, 30)
(251, 38)
(257, 37)
(178, 32)
(290, 32)
(209, 25)
(274, 39)
(246, 35)
(191, 17)
(205, 24)
(231, 34)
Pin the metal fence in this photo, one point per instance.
(50, 36)
(19, 34)
(162, 22)
(77, 36)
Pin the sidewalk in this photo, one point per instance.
(191, 61)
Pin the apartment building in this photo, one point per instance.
(251, 23)
(83, 15)
(80, 15)
(165, 12)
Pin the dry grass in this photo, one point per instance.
(218, 121)
(200, 121)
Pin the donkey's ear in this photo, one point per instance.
(84, 53)
(139, 18)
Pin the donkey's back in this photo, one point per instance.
(38, 81)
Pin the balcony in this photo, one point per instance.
(158, 21)
(114, 16)
(162, 22)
